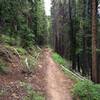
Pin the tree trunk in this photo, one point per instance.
(72, 34)
(94, 31)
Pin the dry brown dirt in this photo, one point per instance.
(57, 84)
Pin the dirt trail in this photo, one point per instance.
(47, 78)
(58, 86)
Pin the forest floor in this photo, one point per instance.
(47, 79)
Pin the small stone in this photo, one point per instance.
(40, 66)
(15, 95)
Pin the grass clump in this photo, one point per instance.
(3, 67)
(86, 90)
(57, 58)
(30, 60)
(6, 39)
(33, 95)
(21, 51)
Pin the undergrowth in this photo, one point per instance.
(33, 95)
(86, 90)
(26, 58)
(57, 58)
(30, 59)
(83, 89)
(7, 40)
(21, 50)
(3, 67)
(63, 62)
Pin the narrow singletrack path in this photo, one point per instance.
(57, 84)
(47, 78)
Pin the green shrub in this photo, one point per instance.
(86, 90)
(7, 39)
(57, 58)
(21, 51)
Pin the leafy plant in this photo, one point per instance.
(7, 39)
(21, 51)
(86, 90)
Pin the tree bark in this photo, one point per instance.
(94, 31)
(72, 34)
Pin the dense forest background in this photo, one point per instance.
(69, 30)
(73, 27)
(50, 57)
(23, 22)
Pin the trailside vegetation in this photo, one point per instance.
(75, 32)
